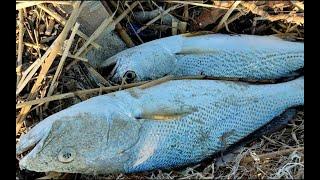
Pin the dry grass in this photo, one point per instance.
(279, 155)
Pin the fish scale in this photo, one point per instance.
(252, 64)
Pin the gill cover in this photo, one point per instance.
(86, 143)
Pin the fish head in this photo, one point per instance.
(82, 140)
(144, 62)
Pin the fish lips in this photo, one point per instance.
(34, 137)
(35, 140)
(25, 144)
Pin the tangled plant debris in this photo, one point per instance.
(54, 72)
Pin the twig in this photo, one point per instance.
(128, 19)
(56, 46)
(186, 12)
(116, 6)
(29, 32)
(36, 66)
(36, 34)
(26, 77)
(298, 4)
(95, 35)
(135, 32)
(45, 48)
(156, 82)
(53, 14)
(26, 72)
(96, 75)
(54, 84)
(62, 21)
(142, 85)
(54, 2)
(171, 77)
(294, 18)
(226, 16)
(235, 17)
(287, 17)
(158, 17)
(165, 19)
(275, 142)
(49, 27)
(59, 9)
(197, 4)
(123, 34)
(272, 154)
(25, 4)
(20, 46)
(105, 24)
(76, 57)
(75, 94)
(124, 14)
(231, 19)
(291, 28)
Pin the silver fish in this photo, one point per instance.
(165, 126)
(218, 55)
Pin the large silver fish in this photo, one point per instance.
(218, 55)
(168, 125)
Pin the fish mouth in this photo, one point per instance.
(33, 138)
(32, 143)
(35, 145)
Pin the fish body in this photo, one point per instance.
(161, 127)
(218, 55)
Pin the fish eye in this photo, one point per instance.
(66, 155)
(129, 76)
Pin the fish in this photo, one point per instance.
(216, 55)
(165, 126)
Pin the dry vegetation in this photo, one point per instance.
(53, 73)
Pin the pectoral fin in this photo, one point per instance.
(195, 51)
(167, 113)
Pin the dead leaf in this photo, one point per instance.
(208, 16)
(278, 4)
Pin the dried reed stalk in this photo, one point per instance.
(76, 93)
(226, 16)
(62, 21)
(158, 17)
(104, 25)
(54, 84)
(56, 47)
(20, 46)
